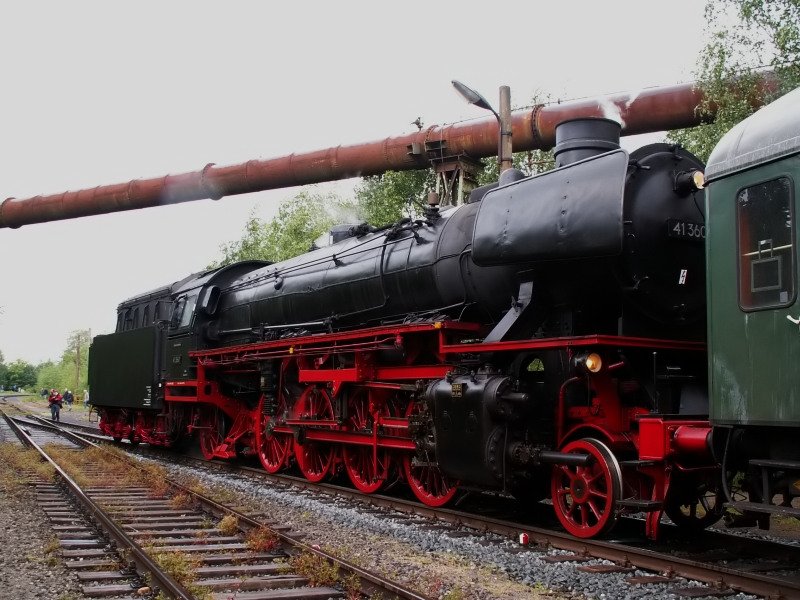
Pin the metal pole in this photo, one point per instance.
(654, 109)
(506, 148)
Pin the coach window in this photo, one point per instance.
(136, 323)
(146, 316)
(765, 217)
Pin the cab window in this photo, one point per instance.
(177, 312)
(765, 216)
(184, 310)
(188, 311)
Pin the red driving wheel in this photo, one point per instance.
(368, 470)
(315, 460)
(210, 430)
(585, 497)
(273, 448)
(429, 484)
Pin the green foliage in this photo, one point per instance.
(16, 375)
(744, 36)
(530, 163)
(248, 247)
(3, 371)
(20, 374)
(72, 372)
(300, 221)
(387, 198)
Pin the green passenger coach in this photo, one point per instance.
(753, 313)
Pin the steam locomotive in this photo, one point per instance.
(544, 339)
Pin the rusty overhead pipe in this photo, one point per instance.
(650, 110)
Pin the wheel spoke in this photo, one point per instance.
(595, 511)
(571, 475)
(598, 493)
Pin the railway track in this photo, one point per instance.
(132, 535)
(724, 563)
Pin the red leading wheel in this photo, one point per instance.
(273, 448)
(210, 430)
(368, 471)
(585, 497)
(429, 484)
(315, 460)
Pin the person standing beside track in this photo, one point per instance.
(55, 405)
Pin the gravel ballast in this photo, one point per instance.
(30, 564)
(407, 549)
(419, 554)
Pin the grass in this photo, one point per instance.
(262, 539)
(17, 466)
(206, 523)
(315, 568)
(352, 586)
(181, 501)
(182, 568)
(229, 525)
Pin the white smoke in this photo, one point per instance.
(632, 98)
(610, 111)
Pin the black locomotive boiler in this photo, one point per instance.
(545, 339)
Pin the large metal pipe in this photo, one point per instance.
(649, 110)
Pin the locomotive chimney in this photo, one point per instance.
(577, 139)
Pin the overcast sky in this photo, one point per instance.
(103, 92)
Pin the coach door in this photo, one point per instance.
(768, 328)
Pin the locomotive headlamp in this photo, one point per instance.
(591, 362)
(687, 182)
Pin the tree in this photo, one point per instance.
(75, 358)
(51, 375)
(744, 36)
(300, 220)
(531, 162)
(248, 247)
(72, 371)
(20, 374)
(3, 372)
(387, 198)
